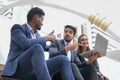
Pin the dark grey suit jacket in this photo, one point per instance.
(58, 48)
(21, 40)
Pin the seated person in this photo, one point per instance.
(88, 68)
(66, 47)
(26, 60)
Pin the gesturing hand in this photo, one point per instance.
(71, 46)
(51, 37)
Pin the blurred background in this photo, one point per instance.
(88, 16)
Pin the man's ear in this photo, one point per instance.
(35, 18)
(75, 36)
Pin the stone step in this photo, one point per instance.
(1, 67)
(4, 78)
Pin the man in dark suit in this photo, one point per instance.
(26, 59)
(66, 47)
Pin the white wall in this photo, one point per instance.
(4, 37)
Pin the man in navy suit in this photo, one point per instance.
(26, 60)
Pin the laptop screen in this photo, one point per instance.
(101, 44)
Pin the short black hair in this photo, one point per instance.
(71, 27)
(34, 11)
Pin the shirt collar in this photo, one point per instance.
(31, 29)
(69, 42)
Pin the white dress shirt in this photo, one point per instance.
(69, 52)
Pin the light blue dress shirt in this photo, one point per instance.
(33, 33)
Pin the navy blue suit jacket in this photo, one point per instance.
(21, 40)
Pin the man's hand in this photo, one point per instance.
(71, 47)
(50, 37)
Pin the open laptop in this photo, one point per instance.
(101, 45)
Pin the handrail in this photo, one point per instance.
(111, 45)
(105, 33)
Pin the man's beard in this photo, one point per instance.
(67, 40)
(37, 27)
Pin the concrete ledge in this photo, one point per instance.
(1, 67)
(5, 78)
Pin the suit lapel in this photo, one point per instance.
(27, 31)
(38, 35)
(62, 43)
(72, 56)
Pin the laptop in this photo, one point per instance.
(101, 45)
